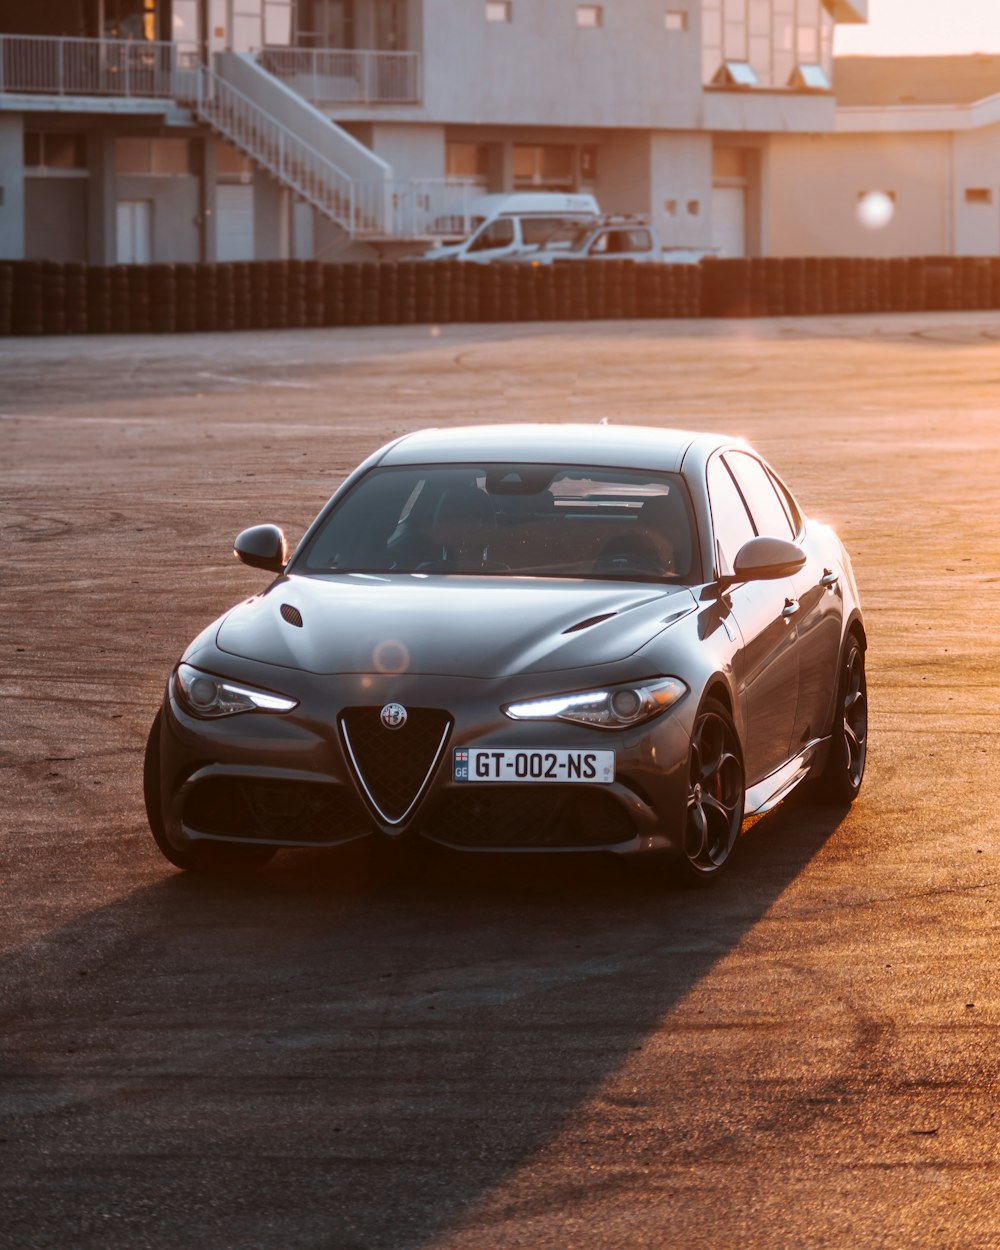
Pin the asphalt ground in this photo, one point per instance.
(489, 1054)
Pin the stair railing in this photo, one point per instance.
(361, 208)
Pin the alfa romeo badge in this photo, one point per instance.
(393, 716)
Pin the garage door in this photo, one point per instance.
(234, 222)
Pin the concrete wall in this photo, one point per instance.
(412, 151)
(976, 165)
(623, 172)
(101, 197)
(542, 67)
(815, 183)
(767, 111)
(271, 233)
(682, 173)
(12, 184)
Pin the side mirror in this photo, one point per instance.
(262, 547)
(764, 559)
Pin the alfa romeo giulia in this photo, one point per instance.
(527, 638)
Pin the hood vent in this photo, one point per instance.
(292, 615)
(591, 620)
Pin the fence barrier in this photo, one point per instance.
(48, 297)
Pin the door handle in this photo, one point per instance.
(790, 608)
(829, 578)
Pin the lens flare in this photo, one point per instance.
(875, 209)
(390, 656)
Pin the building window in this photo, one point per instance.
(735, 74)
(467, 160)
(323, 23)
(52, 150)
(498, 11)
(543, 166)
(694, 208)
(675, 21)
(589, 15)
(978, 195)
(588, 163)
(231, 165)
(809, 78)
(777, 39)
(152, 156)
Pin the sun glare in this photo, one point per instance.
(875, 209)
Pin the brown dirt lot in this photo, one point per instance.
(501, 1055)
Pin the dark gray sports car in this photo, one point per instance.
(521, 638)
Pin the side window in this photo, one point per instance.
(499, 233)
(758, 489)
(791, 507)
(730, 521)
(538, 229)
(599, 245)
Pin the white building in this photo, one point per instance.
(923, 131)
(185, 130)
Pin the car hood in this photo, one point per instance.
(448, 626)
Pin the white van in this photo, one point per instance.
(507, 224)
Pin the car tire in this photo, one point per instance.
(209, 858)
(845, 766)
(716, 791)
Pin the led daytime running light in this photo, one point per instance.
(616, 708)
(545, 709)
(208, 697)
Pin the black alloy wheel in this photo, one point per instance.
(716, 788)
(845, 768)
(210, 858)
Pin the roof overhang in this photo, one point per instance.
(918, 117)
(850, 12)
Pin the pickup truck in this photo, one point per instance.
(608, 237)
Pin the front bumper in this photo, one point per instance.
(289, 779)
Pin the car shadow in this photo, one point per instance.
(330, 1056)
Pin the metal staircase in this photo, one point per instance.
(358, 207)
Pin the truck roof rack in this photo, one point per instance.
(623, 219)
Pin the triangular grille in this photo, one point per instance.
(393, 766)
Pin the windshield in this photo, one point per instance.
(539, 230)
(509, 520)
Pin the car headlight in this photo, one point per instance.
(617, 707)
(205, 695)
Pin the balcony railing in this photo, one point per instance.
(431, 208)
(133, 68)
(346, 76)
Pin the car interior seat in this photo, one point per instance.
(463, 526)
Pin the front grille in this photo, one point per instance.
(279, 811)
(528, 817)
(393, 764)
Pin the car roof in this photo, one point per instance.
(623, 446)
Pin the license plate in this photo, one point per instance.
(483, 764)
